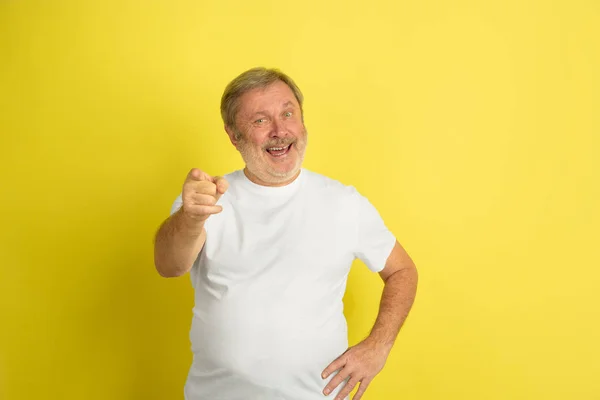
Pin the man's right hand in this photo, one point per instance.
(200, 195)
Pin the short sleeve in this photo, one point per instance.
(374, 241)
(176, 205)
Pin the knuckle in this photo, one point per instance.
(197, 185)
(343, 394)
(206, 200)
(206, 187)
(190, 186)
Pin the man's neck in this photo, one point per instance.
(255, 179)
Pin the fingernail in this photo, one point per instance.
(326, 391)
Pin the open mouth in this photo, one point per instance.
(279, 151)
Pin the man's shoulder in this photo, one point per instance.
(320, 182)
(233, 175)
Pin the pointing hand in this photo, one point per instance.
(201, 193)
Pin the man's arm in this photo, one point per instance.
(178, 242)
(400, 287)
(361, 363)
(181, 237)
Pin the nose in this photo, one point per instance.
(277, 128)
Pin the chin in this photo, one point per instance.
(277, 176)
(284, 173)
(273, 174)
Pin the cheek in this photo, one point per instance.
(296, 127)
(256, 138)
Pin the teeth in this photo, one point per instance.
(277, 148)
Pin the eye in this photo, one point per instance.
(287, 114)
(260, 121)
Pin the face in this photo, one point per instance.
(273, 137)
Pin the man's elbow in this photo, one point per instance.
(170, 272)
(168, 269)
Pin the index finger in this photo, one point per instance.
(337, 364)
(197, 174)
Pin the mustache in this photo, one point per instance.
(279, 143)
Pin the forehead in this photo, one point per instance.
(263, 99)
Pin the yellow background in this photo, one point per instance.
(472, 126)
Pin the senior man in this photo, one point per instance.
(269, 249)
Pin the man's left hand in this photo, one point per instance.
(358, 364)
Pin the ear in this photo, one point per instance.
(231, 133)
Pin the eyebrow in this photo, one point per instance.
(264, 112)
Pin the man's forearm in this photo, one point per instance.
(396, 301)
(177, 244)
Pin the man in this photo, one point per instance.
(269, 249)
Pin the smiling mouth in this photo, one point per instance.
(279, 151)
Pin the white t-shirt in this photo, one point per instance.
(269, 282)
